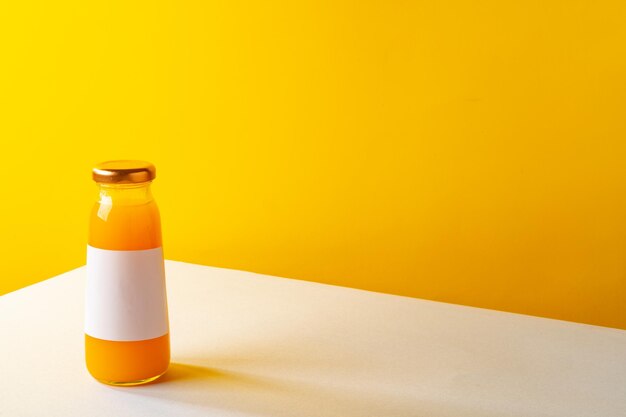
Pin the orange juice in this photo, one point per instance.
(126, 324)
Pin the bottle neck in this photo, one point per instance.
(125, 194)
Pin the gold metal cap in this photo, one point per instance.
(124, 172)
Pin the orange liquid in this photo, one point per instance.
(126, 225)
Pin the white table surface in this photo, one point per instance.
(245, 344)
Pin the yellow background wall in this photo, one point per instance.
(465, 151)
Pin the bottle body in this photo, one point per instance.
(126, 324)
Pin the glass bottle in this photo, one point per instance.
(126, 319)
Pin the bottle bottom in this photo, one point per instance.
(130, 383)
(122, 363)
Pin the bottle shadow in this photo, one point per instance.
(196, 378)
(185, 372)
(224, 391)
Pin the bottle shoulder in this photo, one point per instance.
(125, 226)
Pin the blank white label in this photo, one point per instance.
(125, 297)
